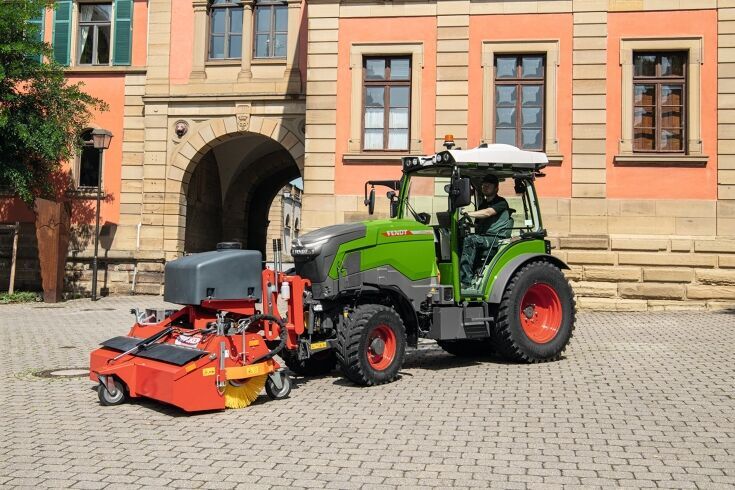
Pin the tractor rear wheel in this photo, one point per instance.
(372, 344)
(536, 314)
(467, 347)
(318, 364)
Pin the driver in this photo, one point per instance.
(488, 212)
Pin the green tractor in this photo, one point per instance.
(379, 286)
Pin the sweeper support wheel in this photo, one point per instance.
(116, 395)
(272, 388)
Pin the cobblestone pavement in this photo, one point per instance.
(640, 400)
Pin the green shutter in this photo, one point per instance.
(62, 31)
(39, 24)
(122, 47)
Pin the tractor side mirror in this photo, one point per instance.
(370, 201)
(460, 192)
(393, 199)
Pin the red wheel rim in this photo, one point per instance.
(541, 313)
(381, 347)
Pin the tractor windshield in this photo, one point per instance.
(426, 195)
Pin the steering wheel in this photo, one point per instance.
(465, 224)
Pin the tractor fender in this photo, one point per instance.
(496, 293)
(401, 302)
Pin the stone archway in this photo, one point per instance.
(222, 179)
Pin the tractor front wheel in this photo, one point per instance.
(371, 345)
(536, 314)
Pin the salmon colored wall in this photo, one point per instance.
(668, 182)
(350, 178)
(182, 43)
(557, 182)
(140, 32)
(111, 89)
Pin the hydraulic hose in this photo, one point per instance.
(282, 331)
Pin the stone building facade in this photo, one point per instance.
(210, 123)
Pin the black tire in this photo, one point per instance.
(354, 345)
(467, 347)
(320, 363)
(273, 392)
(514, 342)
(120, 396)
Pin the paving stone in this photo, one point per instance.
(639, 400)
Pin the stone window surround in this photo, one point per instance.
(358, 50)
(549, 47)
(74, 39)
(200, 57)
(694, 48)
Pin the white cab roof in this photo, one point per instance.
(499, 154)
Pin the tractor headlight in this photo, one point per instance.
(437, 158)
(446, 158)
(308, 249)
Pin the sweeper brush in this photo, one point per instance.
(216, 352)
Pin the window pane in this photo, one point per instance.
(279, 51)
(234, 48)
(374, 96)
(505, 136)
(398, 139)
(261, 46)
(103, 45)
(236, 20)
(531, 139)
(399, 69)
(375, 69)
(217, 47)
(86, 42)
(281, 18)
(398, 118)
(263, 19)
(671, 94)
(643, 139)
(218, 21)
(505, 67)
(643, 117)
(505, 117)
(671, 117)
(373, 139)
(532, 67)
(644, 65)
(374, 118)
(89, 163)
(672, 65)
(101, 13)
(531, 117)
(671, 140)
(531, 95)
(644, 94)
(399, 96)
(505, 95)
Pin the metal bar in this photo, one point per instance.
(97, 230)
(11, 286)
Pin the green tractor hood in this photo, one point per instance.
(405, 245)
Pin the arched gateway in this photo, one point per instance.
(223, 178)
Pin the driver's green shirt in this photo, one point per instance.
(499, 204)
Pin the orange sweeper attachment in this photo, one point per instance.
(216, 352)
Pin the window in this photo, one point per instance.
(94, 34)
(519, 100)
(659, 85)
(225, 30)
(386, 103)
(271, 30)
(89, 162)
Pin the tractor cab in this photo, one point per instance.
(438, 190)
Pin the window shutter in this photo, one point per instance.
(123, 32)
(39, 24)
(62, 31)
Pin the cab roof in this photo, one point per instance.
(499, 159)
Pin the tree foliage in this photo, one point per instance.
(41, 114)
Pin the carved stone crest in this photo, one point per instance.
(243, 116)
